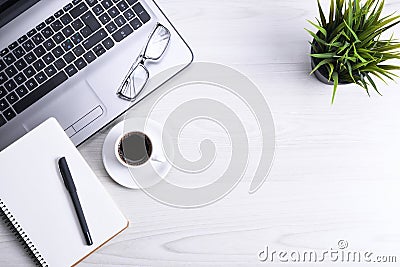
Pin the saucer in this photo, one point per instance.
(121, 174)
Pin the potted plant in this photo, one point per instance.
(349, 46)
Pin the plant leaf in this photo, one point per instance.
(335, 77)
(322, 30)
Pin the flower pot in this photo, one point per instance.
(322, 74)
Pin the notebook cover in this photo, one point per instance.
(34, 193)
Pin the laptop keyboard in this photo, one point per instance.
(60, 47)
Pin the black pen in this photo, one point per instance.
(70, 185)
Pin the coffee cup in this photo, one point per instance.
(133, 149)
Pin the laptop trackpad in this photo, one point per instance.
(73, 104)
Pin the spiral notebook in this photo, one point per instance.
(36, 204)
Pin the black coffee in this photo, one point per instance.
(135, 148)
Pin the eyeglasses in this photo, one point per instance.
(138, 74)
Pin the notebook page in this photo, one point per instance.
(33, 190)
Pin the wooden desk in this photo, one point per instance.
(336, 174)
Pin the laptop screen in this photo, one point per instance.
(9, 9)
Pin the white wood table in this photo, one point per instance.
(336, 174)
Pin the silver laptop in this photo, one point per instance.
(66, 59)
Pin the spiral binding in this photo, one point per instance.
(23, 238)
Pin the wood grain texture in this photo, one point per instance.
(336, 172)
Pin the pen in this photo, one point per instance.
(70, 185)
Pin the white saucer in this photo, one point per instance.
(121, 174)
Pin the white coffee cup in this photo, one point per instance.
(133, 149)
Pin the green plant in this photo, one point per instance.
(348, 44)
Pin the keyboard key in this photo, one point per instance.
(10, 85)
(13, 45)
(19, 52)
(89, 56)
(40, 77)
(86, 31)
(20, 78)
(129, 14)
(98, 10)
(120, 20)
(38, 38)
(80, 63)
(2, 120)
(71, 70)
(2, 65)
(3, 77)
(41, 91)
(39, 51)
(11, 71)
(12, 98)
(111, 27)
(131, 2)
(4, 52)
(66, 19)
(113, 12)
(108, 43)
(58, 13)
(47, 32)
(69, 57)
(39, 65)
(40, 26)
(67, 7)
(50, 71)
(9, 59)
(68, 31)
(9, 114)
(89, 20)
(49, 20)
(91, 2)
(78, 10)
(20, 64)
(3, 104)
(22, 39)
(122, 5)
(28, 45)
(49, 44)
(3, 92)
(57, 25)
(135, 23)
(77, 24)
(106, 4)
(78, 51)
(22, 91)
(60, 63)
(94, 39)
(67, 45)
(77, 38)
(48, 58)
(31, 84)
(58, 37)
(75, 2)
(99, 50)
(30, 58)
(122, 33)
(29, 72)
(105, 18)
(58, 51)
(31, 32)
(141, 12)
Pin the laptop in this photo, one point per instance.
(66, 59)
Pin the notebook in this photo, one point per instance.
(35, 201)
